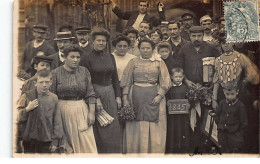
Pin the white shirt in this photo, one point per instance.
(121, 62)
(83, 45)
(207, 38)
(138, 20)
(36, 45)
(61, 56)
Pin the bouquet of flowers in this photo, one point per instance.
(126, 113)
(199, 93)
(104, 118)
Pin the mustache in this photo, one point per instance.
(165, 34)
(197, 43)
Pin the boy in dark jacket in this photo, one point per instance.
(40, 119)
(231, 119)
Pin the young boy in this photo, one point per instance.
(40, 62)
(178, 129)
(40, 119)
(231, 119)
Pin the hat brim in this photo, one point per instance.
(40, 31)
(82, 31)
(63, 38)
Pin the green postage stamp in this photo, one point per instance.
(242, 20)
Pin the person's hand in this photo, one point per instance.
(244, 83)
(125, 101)
(99, 105)
(32, 105)
(119, 102)
(160, 6)
(190, 83)
(91, 118)
(255, 104)
(53, 148)
(214, 104)
(157, 99)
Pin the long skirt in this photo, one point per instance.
(108, 138)
(145, 136)
(78, 136)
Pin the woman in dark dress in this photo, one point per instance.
(103, 70)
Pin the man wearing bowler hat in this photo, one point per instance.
(190, 56)
(82, 34)
(187, 20)
(38, 44)
(63, 40)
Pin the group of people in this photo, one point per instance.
(150, 65)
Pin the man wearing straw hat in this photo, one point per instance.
(38, 44)
(63, 40)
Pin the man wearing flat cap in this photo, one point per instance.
(206, 23)
(63, 40)
(187, 21)
(136, 17)
(38, 44)
(82, 34)
(190, 56)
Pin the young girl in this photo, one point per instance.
(178, 129)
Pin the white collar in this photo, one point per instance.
(174, 85)
(61, 56)
(36, 45)
(83, 45)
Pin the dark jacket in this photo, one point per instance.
(191, 60)
(42, 123)
(231, 117)
(86, 50)
(30, 52)
(56, 61)
(131, 17)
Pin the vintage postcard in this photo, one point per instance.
(136, 78)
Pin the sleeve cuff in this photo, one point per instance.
(161, 92)
(92, 100)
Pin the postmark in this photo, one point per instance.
(241, 21)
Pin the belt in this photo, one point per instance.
(71, 98)
(145, 84)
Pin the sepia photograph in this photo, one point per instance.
(135, 78)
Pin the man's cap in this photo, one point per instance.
(196, 29)
(221, 19)
(43, 58)
(164, 24)
(64, 35)
(205, 18)
(40, 28)
(187, 16)
(81, 29)
(173, 21)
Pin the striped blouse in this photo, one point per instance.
(70, 85)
